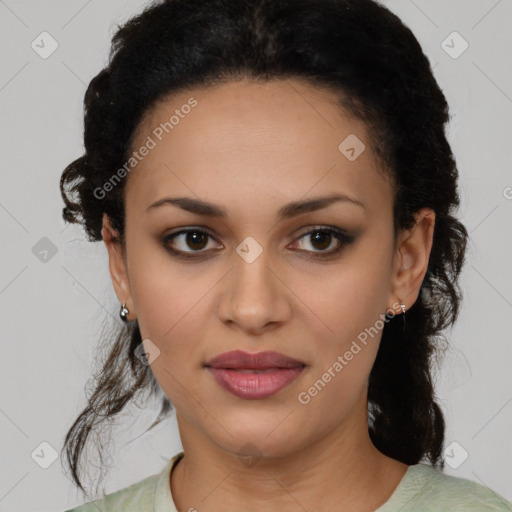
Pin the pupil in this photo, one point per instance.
(192, 239)
(319, 236)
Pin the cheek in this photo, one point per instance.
(163, 291)
(173, 315)
(173, 319)
(340, 304)
(174, 312)
(338, 378)
(349, 307)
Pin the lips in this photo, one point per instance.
(254, 376)
(239, 360)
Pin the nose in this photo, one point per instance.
(254, 298)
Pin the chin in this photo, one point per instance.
(258, 435)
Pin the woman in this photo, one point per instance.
(276, 193)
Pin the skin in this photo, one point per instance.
(251, 148)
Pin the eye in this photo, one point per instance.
(320, 239)
(323, 238)
(196, 239)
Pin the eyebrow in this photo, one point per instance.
(287, 211)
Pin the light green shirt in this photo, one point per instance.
(422, 489)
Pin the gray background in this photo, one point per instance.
(52, 305)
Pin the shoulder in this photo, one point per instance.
(430, 489)
(138, 497)
(152, 493)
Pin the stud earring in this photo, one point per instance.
(124, 313)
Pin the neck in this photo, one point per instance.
(341, 470)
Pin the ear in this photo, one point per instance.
(411, 260)
(117, 265)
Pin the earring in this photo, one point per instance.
(124, 313)
(402, 307)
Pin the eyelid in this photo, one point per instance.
(323, 227)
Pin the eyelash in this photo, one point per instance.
(343, 239)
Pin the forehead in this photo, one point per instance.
(240, 141)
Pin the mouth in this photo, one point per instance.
(254, 376)
(239, 360)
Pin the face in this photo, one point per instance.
(312, 283)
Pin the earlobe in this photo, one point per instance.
(412, 257)
(117, 266)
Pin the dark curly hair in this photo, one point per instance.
(375, 65)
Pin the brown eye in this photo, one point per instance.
(320, 239)
(192, 243)
(188, 241)
(196, 240)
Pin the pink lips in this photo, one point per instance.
(254, 376)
